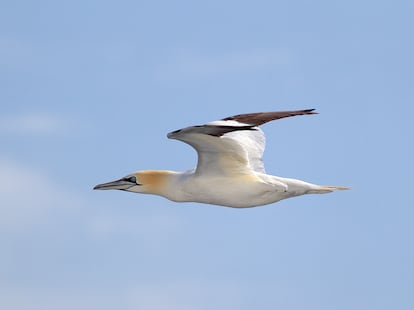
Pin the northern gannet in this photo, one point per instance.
(230, 170)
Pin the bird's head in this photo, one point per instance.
(146, 182)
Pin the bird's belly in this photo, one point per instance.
(236, 193)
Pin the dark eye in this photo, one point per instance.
(131, 179)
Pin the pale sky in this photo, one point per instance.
(89, 90)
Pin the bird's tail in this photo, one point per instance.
(327, 189)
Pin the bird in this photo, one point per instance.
(230, 170)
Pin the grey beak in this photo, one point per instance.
(121, 184)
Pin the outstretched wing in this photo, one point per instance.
(233, 145)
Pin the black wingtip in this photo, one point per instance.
(310, 111)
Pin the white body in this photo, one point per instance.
(238, 192)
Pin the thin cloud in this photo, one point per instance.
(31, 124)
(27, 196)
(190, 64)
(29, 199)
(186, 295)
(183, 295)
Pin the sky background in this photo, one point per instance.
(89, 90)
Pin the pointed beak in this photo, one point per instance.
(121, 184)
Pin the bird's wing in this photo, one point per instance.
(233, 145)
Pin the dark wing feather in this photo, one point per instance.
(260, 118)
(211, 130)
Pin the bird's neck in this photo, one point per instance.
(157, 182)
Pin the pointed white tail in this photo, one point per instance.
(340, 188)
(327, 189)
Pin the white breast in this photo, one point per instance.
(240, 192)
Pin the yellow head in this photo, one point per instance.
(145, 181)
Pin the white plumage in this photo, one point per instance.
(230, 171)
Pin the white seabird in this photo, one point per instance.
(230, 170)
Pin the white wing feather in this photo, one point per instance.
(235, 152)
(253, 142)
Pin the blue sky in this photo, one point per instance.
(88, 91)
